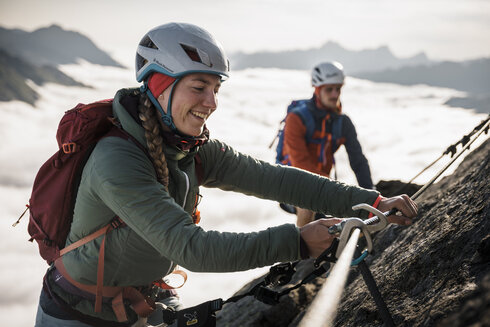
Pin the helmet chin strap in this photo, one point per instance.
(166, 116)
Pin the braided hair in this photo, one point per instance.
(154, 140)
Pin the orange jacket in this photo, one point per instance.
(301, 154)
(304, 155)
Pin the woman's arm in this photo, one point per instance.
(230, 170)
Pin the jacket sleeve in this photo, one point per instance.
(230, 170)
(358, 161)
(295, 144)
(132, 192)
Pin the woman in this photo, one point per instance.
(182, 68)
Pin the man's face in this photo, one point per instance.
(330, 95)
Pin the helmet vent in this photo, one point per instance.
(191, 52)
(148, 43)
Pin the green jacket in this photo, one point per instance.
(119, 179)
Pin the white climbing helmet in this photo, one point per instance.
(177, 49)
(327, 73)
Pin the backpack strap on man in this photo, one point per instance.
(337, 138)
(301, 109)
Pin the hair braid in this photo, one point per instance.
(153, 137)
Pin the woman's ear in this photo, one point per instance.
(162, 102)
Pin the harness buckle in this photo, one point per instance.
(280, 274)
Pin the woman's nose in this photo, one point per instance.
(210, 100)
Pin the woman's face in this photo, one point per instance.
(194, 99)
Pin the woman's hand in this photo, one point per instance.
(404, 204)
(318, 239)
(316, 235)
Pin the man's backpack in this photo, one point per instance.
(300, 107)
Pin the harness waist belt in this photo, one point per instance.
(143, 306)
(68, 287)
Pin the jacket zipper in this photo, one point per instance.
(187, 187)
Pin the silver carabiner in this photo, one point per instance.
(367, 227)
(375, 224)
(348, 227)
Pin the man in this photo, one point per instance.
(315, 128)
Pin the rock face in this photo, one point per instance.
(433, 273)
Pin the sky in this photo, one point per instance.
(443, 29)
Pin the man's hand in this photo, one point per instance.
(404, 204)
(316, 235)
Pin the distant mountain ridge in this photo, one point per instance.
(52, 46)
(354, 61)
(380, 65)
(35, 55)
(471, 76)
(14, 73)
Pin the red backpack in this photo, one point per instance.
(54, 193)
(55, 187)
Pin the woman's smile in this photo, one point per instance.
(193, 101)
(200, 115)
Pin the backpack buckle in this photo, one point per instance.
(69, 147)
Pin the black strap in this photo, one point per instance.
(375, 293)
(282, 273)
(202, 315)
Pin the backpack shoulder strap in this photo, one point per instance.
(337, 127)
(301, 109)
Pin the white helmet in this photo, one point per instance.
(327, 73)
(177, 49)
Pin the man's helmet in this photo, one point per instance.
(177, 49)
(327, 73)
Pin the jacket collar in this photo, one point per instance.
(125, 106)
